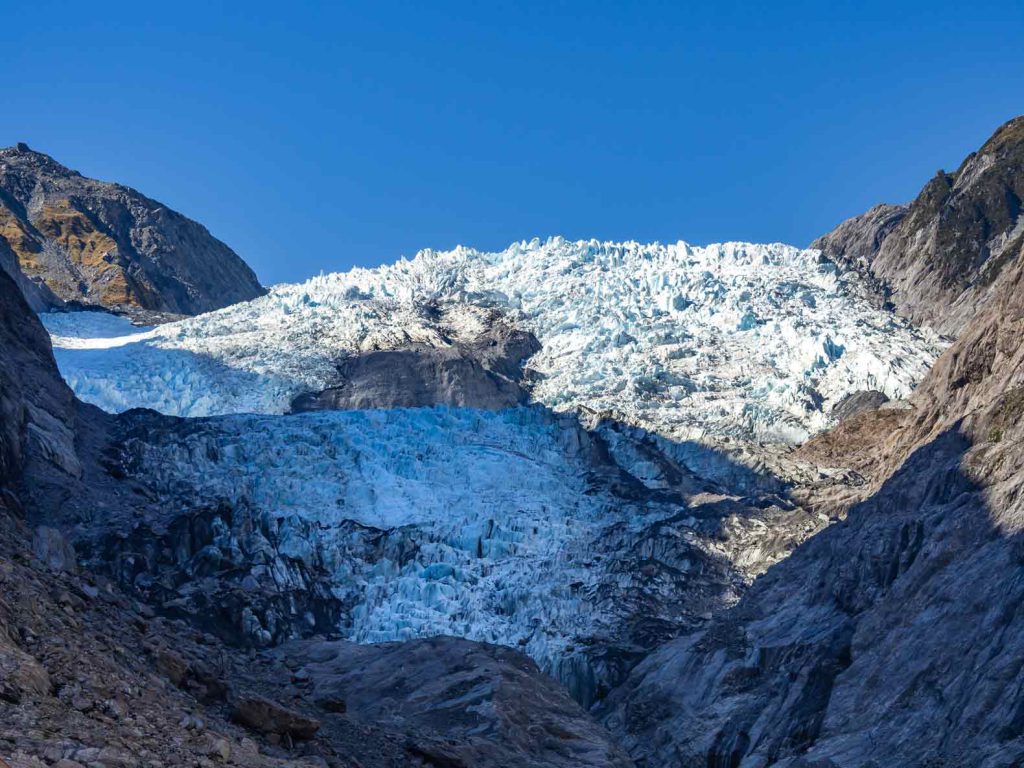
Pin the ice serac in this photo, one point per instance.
(893, 637)
(583, 548)
(724, 341)
(938, 258)
(70, 240)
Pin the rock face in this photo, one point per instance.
(68, 239)
(858, 402)
(894, 636)
(462, 703)
(268, 716)
(37, 410)
(938, 258)
(485, 371)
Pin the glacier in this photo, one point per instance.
(582, 547)
(735, 340)
(640, 491)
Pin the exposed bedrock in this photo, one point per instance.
(856, 403)
(462, 703)
(485, 372)
(68, 240)
(938, 258)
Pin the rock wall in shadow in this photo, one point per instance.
(38, 413)
(891, 637)
(807, 662)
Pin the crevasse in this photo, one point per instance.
(734, 340)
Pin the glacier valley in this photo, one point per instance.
(623, 481)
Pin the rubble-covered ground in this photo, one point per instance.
(92, 678)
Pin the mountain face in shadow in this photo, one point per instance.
(894, 636)
(69, 240)
(938, 258)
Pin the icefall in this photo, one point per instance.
(731, 340)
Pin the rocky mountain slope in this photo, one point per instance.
(938, 258)
(68, 239)
(893, 636)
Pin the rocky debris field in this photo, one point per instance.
(91, 677)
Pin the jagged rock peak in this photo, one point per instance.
(68, 239)
(937, 258)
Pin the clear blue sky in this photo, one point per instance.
(315, 137)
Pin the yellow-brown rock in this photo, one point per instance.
(68, 239)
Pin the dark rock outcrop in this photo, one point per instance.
(858, 402)
(462, 703)
(485, 372)
(66, 239)
(226, 569)
(37, 410)
(268, 716)
(938, 258)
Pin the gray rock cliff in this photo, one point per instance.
(938, 258)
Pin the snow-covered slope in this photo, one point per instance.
(738, 340)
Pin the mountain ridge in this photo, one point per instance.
(70, 240)
(937, 257)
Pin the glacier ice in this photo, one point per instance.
(732, 340)
(501, 526)
(596, 521)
